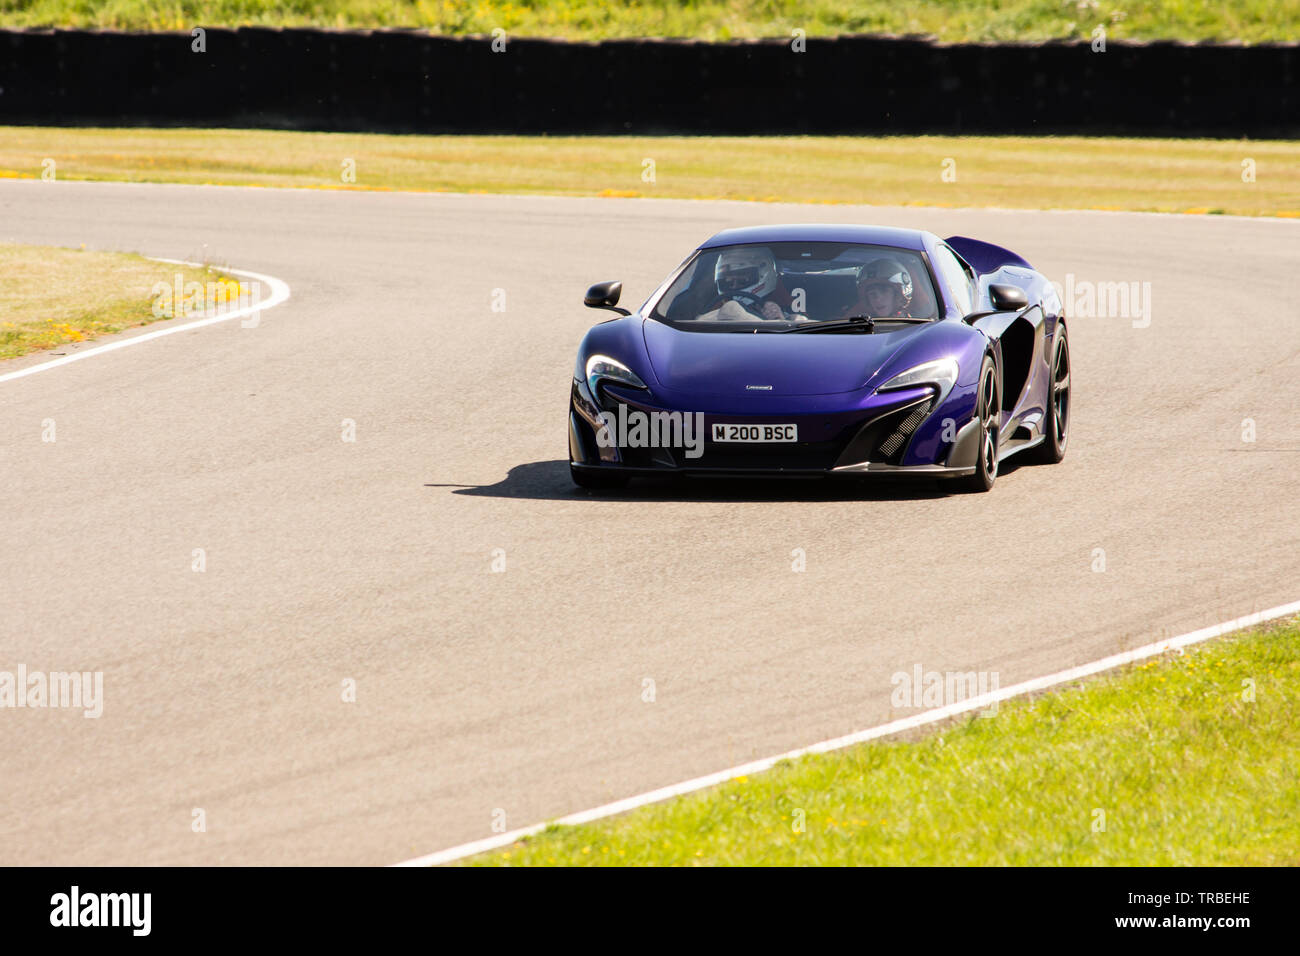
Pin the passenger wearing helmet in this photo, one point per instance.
(884, 290)
(748, 285)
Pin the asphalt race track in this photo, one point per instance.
(522, 691)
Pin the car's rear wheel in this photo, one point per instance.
(1057, 427)
(987, 409)
(596, 480)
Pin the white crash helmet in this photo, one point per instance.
(889, 273)
(747, 269)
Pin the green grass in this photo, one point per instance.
(1158, 175)
(1250, 21)
(1186, 771)
(51, 297)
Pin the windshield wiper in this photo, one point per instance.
(865, 323)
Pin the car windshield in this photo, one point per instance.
(783, 285)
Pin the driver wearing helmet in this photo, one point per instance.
(748, 285)
(884, 290)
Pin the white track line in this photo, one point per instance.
(884, 730)
(279, 294)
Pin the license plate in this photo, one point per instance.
(755, 433)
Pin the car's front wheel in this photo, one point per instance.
(987, 408)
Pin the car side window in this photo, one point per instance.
(955, 276)
(680, 284)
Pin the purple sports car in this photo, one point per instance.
(825, 350)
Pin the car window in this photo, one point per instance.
(684, 282)
(953, 274)
(769, 286)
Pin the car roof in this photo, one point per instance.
(820, 232)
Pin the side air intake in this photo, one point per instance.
(905, 428)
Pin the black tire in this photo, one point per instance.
(1057, 430)
(595, 480)
(988, 412)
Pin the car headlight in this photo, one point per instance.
(942, 374)
(611, 370)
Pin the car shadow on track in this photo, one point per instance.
(549, 481)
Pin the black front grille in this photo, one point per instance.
(780, 456)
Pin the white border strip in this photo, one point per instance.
(884, 730)
(279, 294)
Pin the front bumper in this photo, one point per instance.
(879, 471)
(878, 434)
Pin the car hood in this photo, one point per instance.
(728, 363)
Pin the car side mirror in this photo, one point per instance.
(1007, 298)
(605, 295)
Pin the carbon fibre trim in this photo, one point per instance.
(876, 468)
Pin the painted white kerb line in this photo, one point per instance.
(884, 730)
(279, 294)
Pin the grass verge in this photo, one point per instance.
(1249, 21)
(52, 296)
(1192, 760)
(1153, 175)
